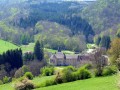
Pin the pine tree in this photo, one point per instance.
(38, 51)
(105, 42)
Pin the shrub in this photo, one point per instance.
(58, 78)
(83, 73)
(1, 82)
(29, 75)
(75, 76)
(21, 71)
(109, 70)
(87, 66)
(35, 66)
(67, 75)
(47, 71)
(98, 72)
(46, 83)
(24, 85)
(71, 68)
(50, 82)
(6, 79)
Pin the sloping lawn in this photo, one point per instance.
(30, 47)
(36, 81)
(100, 83)
(39, 80)
(4, 46)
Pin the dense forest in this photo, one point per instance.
(24, 22)
(40, 35)
(22, 25)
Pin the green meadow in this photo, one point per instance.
(30, 47)
(4, 46)
(99, 83)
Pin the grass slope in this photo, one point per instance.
(30, 47)
(4, 46)
(101, 83)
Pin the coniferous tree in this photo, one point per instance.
(105, 42)
(38, 51)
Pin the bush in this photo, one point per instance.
(47, 71)
(75, 76)
(50, 82)
(24, 85)
(1, 82)
(87, 66)
(58, 78)
(67, 75)
(21, 71)
(46, 83)
(71, 68)
(98, 72)
(83, 73)
(29, 75)
(6, 79)
(109, 70)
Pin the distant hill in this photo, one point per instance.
(4, 46)
(103, 15)
(18, 21)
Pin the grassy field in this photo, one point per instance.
(101, 83)
(39, 80)
(4, 46)
(30, 47)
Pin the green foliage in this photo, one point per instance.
(102, 41)
(4, 46)
(47, 71)
(118, 33)
(24, 85)
(59, 78)
(71, 74)
(67, 75)
(84, 74)
(87, 66)
(100, 83)
(114, 52)
(29, 75)
(1, 82)
(109, 70)
(105, 42)
(28, 56)
(13, 58)
(71, 68)
(38, 51)
(6, 79)
(106, 9)
(21, 71)
(50, 82)
(97, 40)
(98, 72)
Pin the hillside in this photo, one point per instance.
(4, 46)
(103, 15)
(100, 83)
(56, 24)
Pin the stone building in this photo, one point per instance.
(61, 59)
